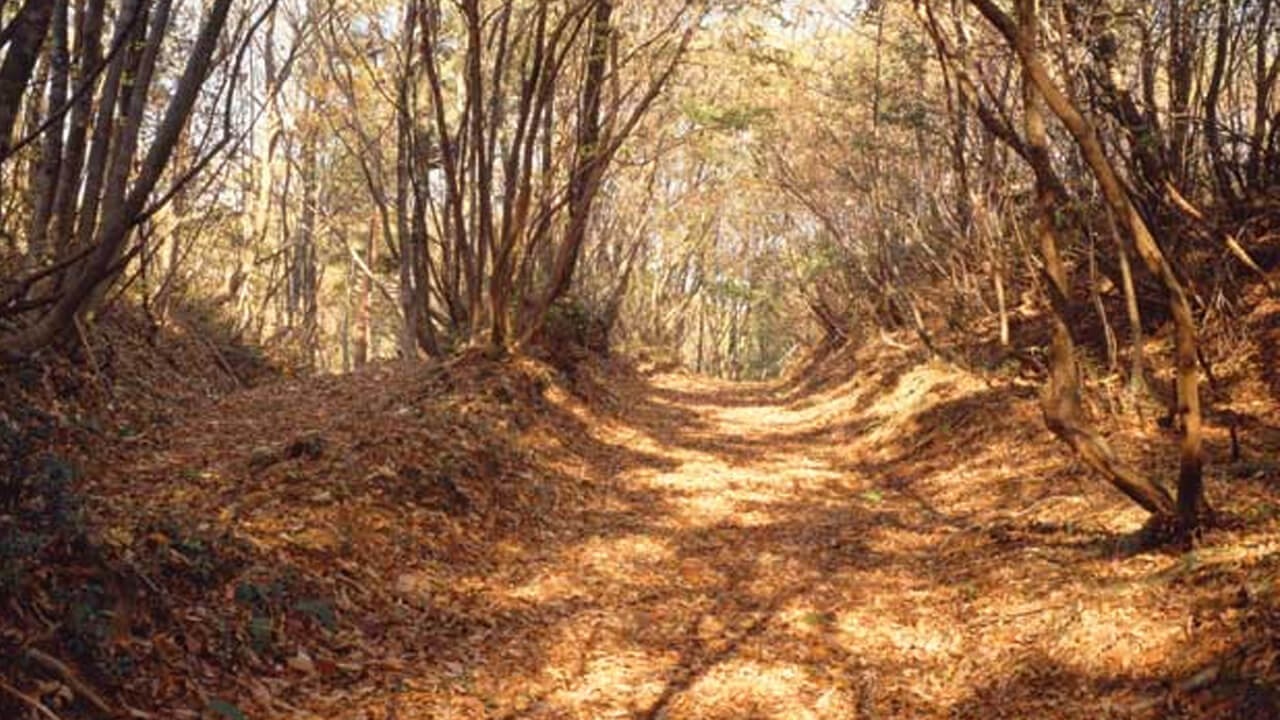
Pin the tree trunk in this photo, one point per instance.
(119, 221)
(45, 187)
(30, 28)
(1061, 399)
(1191, 454)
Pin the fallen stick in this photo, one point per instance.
(29, 701)
(68, 676)
(93, 359)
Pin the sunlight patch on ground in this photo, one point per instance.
(709, 492)
(548, 587)
(637, 441)
(616, 685)
(918, 548)
(623, 558)
(922, 637)
(1114, 638)
(752, 689)
(629, 559)
(706, 510)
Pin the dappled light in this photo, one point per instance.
(688, 548)
(643, 359)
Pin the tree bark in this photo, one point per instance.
(1191, 454)
(29, 29)
(119, 221)
(45, 187)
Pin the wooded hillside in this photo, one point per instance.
(441, 282)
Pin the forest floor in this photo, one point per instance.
(483, 540)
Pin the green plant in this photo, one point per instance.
(21, 435)
(18, 548)
(320, 611)
(51, 513)
(226, 710)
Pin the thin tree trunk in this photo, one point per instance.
(303, 285)
(1191, 453)
(118, 221)
(1061, 398)
(90, 57)
(45, 187)
(1133, 312)
(364, 329)
(30, 28)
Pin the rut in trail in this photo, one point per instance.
(909, 543)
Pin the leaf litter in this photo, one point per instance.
(488, 539)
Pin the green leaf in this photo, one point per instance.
(319, 610)
(260, 632)
(248, 593)
(873, 496)
(226, 709)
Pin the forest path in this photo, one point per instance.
(907, 542)
(712, 588)
(759, 557)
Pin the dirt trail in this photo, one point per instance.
(758, 557)
(909, 544)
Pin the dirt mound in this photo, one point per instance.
(111, 382)
(1044, 551)
(322, 528)
(64, 415)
